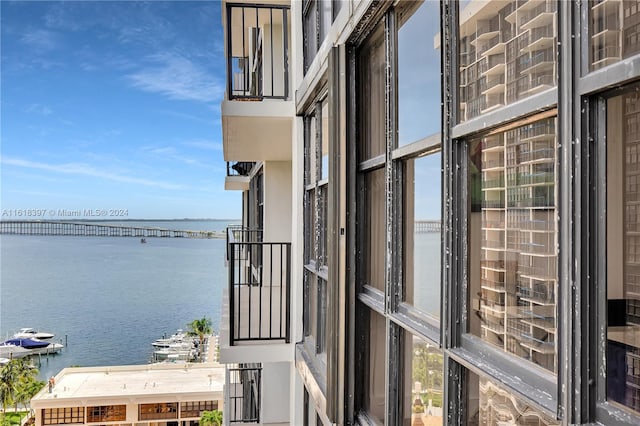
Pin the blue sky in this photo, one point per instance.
(113, 105)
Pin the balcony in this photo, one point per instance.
(237, 178)
(256, 309)
(243, 393)
(258, 110)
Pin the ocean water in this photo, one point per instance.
(427, 272)
(108, 298)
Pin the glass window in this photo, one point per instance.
(422, 242)
(106, 413)
(507, 53)
(158, 411)
(309, 28)
(65, 415)
(623, 250)
(312, 153)
(195, 408)
(490, 404)
(324, 146)
(512, 277)
(418, 71)
(613, 31)
(375, 396)
(371, 95)
(423, 383)
(374, 209)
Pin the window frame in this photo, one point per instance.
(400, 319)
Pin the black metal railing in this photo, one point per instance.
(257, 51)
(240, 233)
(239, 168)
(244, 394)
(259, 287)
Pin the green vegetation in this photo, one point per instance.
(201, 328)
(9, 419)
(211, 418)
(427, 369)
(18, 384)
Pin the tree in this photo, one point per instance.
(201, 328)
(18, 383)
(211, 418)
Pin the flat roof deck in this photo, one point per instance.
(135, 380)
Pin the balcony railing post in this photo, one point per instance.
(288, 297)
(232, 304)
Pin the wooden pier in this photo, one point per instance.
(424, 226)
(80, 229)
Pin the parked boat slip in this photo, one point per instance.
(177, 347)
(27, 342)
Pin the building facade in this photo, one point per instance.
(153, 395)
(440, 211)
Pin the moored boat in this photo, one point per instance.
(27, 342)
(10, 351)
(33, 333)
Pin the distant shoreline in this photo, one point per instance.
(119, 220)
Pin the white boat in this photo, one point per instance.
(33, 333)
(10, 351)
(179, 338)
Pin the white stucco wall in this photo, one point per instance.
(277, 201)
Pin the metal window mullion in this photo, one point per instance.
(393, 351)
(568, 346)
(453, 265)
(351, 366)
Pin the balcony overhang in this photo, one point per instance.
(257, 130)
(236, 183)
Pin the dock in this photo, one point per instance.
(88, 229)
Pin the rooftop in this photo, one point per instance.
(135, 380)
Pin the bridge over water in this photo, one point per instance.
(27, 227)
(86, 229)
(423, 226)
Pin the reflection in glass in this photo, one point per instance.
(490, 404)
(507, 52)
(623, 250)
(422, 383)
(512, 280)
(375, 396)
(324, 148)
(614, 31)
(312, 152)
(418, 71)
(422, 242)
(371, 93)
(374, 255)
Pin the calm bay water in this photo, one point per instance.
(109, 297)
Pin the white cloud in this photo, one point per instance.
(41, 39)
(177, 77)
(173, 154)
(87, 170)
(39, 109)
